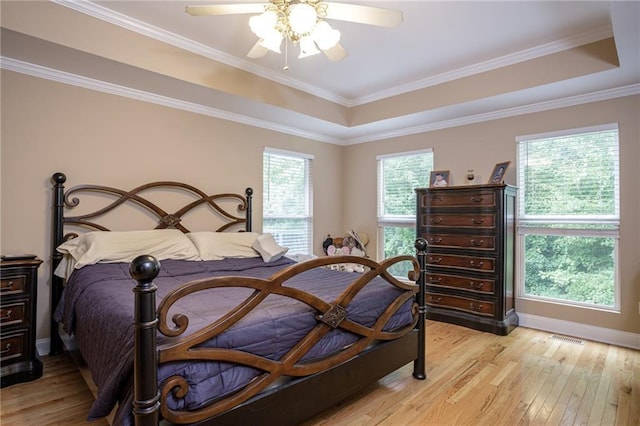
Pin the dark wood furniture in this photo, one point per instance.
(470, 263)
(18, 300)
(310, 389)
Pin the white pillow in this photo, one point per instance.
(112, 247)
(219, 245)
(270, 251)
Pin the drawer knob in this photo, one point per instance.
(476, 199)
(477, 243)
(6, 350)
(435, 240)
(477, 221)
(475, 306)
(476, 265)
(436, 220)
(434, 260)
(476, 285)
(433, 280)
(9, 284)
(7, 315)
(435, 299)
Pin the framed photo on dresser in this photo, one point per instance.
(497, 176)
(439, 179)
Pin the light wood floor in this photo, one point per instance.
(474, 378)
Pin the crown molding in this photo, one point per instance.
(116, 18)
(140, 95)
(602, 95)
(105, 87)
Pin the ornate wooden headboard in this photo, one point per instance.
(219, 207)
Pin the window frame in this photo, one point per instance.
(403, 221)
(535, 225)
(308, 218)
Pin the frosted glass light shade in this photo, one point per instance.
(272, 41)
(307, 47)
(302, 18)
(262, 25)
(325, 36)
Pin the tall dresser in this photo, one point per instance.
(471, 256)
(19, 359)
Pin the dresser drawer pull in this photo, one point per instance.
(9, 284)
(476, 199)
(476, 285)
(434, 280)
(434, 260)
(436, 220)
(435, 299)
(477, 221)
(6, 350)
(7, 315)
(477, 243)
(475, 306)
(476, 265)
(435, 240)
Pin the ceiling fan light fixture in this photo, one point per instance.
(307, 47)
(325, 36)
(264, 24)
(272, 41)
(302, 18)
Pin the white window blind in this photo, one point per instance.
(569, 216)
(398, 177)
(287, 195)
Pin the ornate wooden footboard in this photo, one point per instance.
(150, 401)
(310, 386)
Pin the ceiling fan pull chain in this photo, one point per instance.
(286, 56)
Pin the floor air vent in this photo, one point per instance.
(568, 339)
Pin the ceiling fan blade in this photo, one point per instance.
(225, 9)
(364, 14)
(257, 51)
(336, 53)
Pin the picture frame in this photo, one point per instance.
(439, 179)
(500, 169)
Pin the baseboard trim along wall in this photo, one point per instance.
(583, 331)
(552, 325)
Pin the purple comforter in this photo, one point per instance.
(97, 306)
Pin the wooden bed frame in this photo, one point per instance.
(312, 388)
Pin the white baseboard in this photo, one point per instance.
(583, 331)
(44, 345)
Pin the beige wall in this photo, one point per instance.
(479, 147)
(104, 139)
(100, 138)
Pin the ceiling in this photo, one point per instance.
(449, 63)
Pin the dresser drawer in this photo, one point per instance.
(13, 313)
(12, 346)
(477, 221)
(435, 199)
(480, 242)
(484, 286)
(481, 264)
(461, 304)
(13, 285)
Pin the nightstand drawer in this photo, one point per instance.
(461, 303)
(14, 313)
(13, 285)
(12, 347)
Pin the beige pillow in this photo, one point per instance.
(220, 245)
(112, 247)
(268, 248)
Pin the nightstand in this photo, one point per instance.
(19, 361)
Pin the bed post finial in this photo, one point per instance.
(421, 246)
(249, 193)
(146, 397)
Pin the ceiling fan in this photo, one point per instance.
(301, 22)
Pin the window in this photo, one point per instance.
(398, 176)
(287, 195)
(569, 216)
